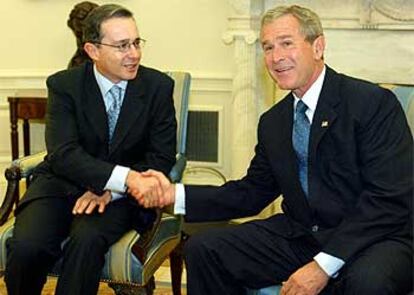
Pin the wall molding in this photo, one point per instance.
(23, 79)
(36, 79)
(27, 82)
(211, 82)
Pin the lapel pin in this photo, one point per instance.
(324, 124)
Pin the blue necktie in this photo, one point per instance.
(114, 95)
(300, 139)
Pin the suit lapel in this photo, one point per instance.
(131, 110)
(282, 144)
(325, 113)
(94, 107)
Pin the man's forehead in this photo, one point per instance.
(119, 27)
(283, 21)
(280, 28)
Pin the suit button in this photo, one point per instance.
(315, 228)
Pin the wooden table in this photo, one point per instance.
(25, 108)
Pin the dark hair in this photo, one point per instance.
(94, 20)
(77, 15)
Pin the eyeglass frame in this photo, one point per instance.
(124, 47)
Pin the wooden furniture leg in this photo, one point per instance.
(176, 266)
(26, 137)
(13, 129)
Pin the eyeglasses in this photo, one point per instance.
(138, 43)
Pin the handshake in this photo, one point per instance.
(150, 188)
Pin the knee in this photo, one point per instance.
(199, 246)
(369, 280)
(88, 238)
(192, 245)
(27, 253)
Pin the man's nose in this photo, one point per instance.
(134, 52)
(277, 54)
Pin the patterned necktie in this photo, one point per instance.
(114, 95)
(300, 139)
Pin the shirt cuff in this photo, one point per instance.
(116, 182)
(179, 205)
(330, 264)
(116, 196)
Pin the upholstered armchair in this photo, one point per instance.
(132, 261)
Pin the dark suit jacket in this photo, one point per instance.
(360, 171)
(78, 157)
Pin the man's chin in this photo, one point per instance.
(283, 86)
(130, 75)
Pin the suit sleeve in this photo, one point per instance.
(66, 156)
(241, 198)
(384, 205)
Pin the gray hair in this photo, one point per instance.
(92, 29)
(309, 22)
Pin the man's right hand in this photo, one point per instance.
(140, 186)
(151, 188)
(168, 188)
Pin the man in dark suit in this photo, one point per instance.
(94, 156)
(339, 150)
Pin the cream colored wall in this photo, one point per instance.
(182, 34)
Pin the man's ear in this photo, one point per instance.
(91, 50)
(319, 47)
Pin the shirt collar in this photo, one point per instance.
(105, 84)
(311, 97)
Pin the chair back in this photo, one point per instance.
(181, 94)
(405, 95)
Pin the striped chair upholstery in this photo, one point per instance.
(125, 267)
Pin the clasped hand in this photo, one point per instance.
(151, 188)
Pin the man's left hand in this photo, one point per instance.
(307, 280)
(88, 202)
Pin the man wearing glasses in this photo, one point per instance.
(106, 121)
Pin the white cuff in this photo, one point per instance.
(116, 196)
(179, 205)
(330, 264)
(117, 181)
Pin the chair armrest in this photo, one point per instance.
(146, 240)
(20, 168)
(28, 163)
(177, 170)
(13, 177)
(168, 209)
(142, 246)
